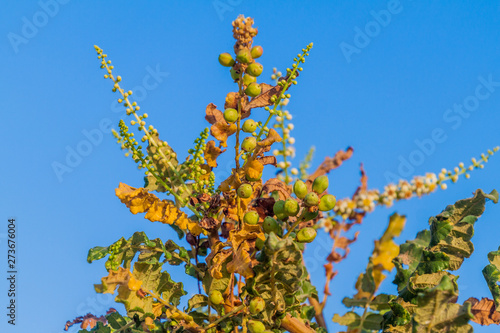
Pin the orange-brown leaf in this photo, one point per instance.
(331, 163)
(211, 153)
(253, 169)
(275, 184)
(220, 129)
(264, 99)
(484, 311)
(272, 137)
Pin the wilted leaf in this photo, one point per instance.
(139, 200)
(211, 153)
(253, 169)
(220, 129)
(275, 184)
(271, 138)
(264, 99)
(331, 163)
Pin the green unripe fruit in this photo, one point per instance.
(234, 75)
(244, 56)
(256, 51)
(257, 305)
(259, 243)
(251, 217)
(255, 69)
(249, 144)
(270, 225)
(320, 184)
(255, 326)
(231, 115)
(216, 297)
(306, 235)
(300, 189)
(311, 199)
(289, 300)
(253, 89)
(249, 126)
(279, 207)
(281, 216)
(226, 60)
(247, 79)
(291, 207)
(327, 202)
(245, 191)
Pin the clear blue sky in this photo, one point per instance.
(380, 94)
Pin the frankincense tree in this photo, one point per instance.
(242, 239)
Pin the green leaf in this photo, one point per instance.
(350, 319)
(491, 274)
(116, 320)
(379, 303)
(432, 262)
(153, 279)
(197, 301)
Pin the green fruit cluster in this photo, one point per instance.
(306, 235)
(245, 191)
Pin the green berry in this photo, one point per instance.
(311, 199)
(327, 202)
(300, 189)
(306, 235)
(255, 326)
(230, 115)
(226, 60)
(255, 69)
(320, 184)
(257, 304)
(249, 144)
(270, 225)
(247, 79)
(216, 297)
(234, 74)
(256, 52)
(259, 243)
(253, 89)
(245, 191)
(244, 56)
(279, 207)
(291, 207)
(249, 126)
(251, 217)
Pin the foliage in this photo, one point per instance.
(243, 240)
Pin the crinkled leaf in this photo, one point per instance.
(484, 311)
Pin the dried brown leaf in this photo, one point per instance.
(331, 163)
(264, 99)
(220, 129)
(265, 160)
(272, 137)
(484, 311)
(275, 184)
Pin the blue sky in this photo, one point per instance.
(381, 84)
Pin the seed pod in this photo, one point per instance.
(255, 326)
(234, 74)
(249, 144)
(216, 297)
(257, 304)
(245, 191)
(255, 69)
(300, 189)
(311, 199)
(244, 56)
(327, 202)
(306, 235)
(256, 52)
(230, 115)
(249, 126)
(270, 225)
(226, 60)
(320, 184)
(251, 217)
(253, 89)
(291, 207)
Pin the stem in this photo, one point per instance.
(129, 324)
(295, 325)
(239, 308)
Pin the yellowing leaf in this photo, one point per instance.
(134, 284)
(110, 282)
(253, 169)
(139, 200)
(386, 251)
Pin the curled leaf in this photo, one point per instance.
(211, 153)
(272, 137)
(220, 129)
